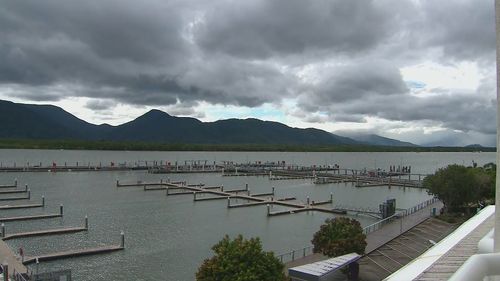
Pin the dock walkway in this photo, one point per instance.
(73, 253)
(44, 232)
(7, 256)
(379, 237)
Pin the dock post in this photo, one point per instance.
(15, 182)
(308, 201)
(122, 243)
(6, 271)
(117, 183)
(194, 195)
(87, 222)
(3, 229)
(331, 197)
(268, 209)
(222, 188)
(61, 210)
(43, 200)
(228, 202)
(167, 190)
(25, 187)
(246, 186)
(273, 190)
(29, 194)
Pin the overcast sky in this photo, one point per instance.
(419, 71)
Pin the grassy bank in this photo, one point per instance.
(152, 146)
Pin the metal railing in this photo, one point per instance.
(21, 277)
(305, 251)
(405, 212)
(295, 254)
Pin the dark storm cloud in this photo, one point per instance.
(457, 111)
(464, 29)
(356, 82)
(180, 53)
(262, 28)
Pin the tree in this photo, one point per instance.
(459, 186)
(240, 260)
(339, 236)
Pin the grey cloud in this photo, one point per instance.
(261, 28)
(357, 81)
(100, 105)
(464, 112)
(166, 53)
(465, 30)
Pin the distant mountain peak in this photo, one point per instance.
(157, 112)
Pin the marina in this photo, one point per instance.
(199, 209)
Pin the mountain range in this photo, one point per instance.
(29, 121)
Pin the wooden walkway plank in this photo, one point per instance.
(33, 217)
(73, 253)
(44, 232)
(25, 206)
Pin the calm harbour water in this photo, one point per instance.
(167, 238)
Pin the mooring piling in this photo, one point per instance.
(6, 271)
(3, 230)
(122, 242)
(86, 222)
(43, 200)
(61, 209)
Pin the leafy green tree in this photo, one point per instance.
(339, 236)
(240, 260)
(459, 186)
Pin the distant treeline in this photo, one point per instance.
(152, 146)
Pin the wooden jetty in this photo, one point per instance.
(23, 206)
(77, 253)
(14, 185)
(34, 217)
(259, 199)
(13, 191)
(73, 253)
(46, 232)
(27, 197)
